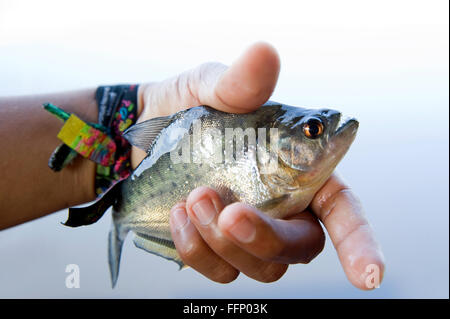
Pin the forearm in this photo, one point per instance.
(28, 187)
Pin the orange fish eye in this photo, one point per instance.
(313, 128)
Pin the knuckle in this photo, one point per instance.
(314, 250)
(307, 259)
(329, 205)
(190, 253)
(199, 193)
(225, 276)
(274, 251)
(182, 87)
(321, 242)
(271, 272)
(181, 204)
(213, 67)
(206, 73)
(317, 248)
(223, 249)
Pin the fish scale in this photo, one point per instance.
(148, 204)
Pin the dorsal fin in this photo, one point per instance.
(143, 134)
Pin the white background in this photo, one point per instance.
(384, 62)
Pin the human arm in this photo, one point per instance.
(28, 188)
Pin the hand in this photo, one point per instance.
(220, 242)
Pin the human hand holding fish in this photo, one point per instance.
(220, 218)
(219, 240)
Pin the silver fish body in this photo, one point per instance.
(275, 158)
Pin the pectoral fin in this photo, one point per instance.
(143, 134)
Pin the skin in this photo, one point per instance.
(217, 241)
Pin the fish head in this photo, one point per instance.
(311, 143)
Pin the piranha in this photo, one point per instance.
(275, 158)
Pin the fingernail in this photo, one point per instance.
(243, 230)
(179, 218)
(205, 211)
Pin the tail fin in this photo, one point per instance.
(90, 214)
(115, 242)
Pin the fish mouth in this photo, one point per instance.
(346, 124)
(342, 137)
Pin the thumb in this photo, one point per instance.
(241, 88)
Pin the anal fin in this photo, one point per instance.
(158, 246)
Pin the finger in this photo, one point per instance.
(241, 88)
(194, 251)
(359, 253)
(249, 82)
(297, 240)
(203, 206)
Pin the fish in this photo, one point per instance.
(275, 158)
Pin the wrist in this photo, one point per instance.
(142, 97)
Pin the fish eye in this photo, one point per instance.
(313, 128)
